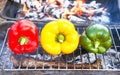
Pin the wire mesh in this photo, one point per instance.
(78, 60)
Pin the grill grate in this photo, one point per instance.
(78, 60)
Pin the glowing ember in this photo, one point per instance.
(54, 9)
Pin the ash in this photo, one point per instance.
(84, 59)
(110, 60)
(5, 61)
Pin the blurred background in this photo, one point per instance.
(2, 4)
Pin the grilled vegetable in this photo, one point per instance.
(23, 37)
(59, 36)
(96, 39)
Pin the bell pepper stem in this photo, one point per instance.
(23, 40)
(96, 43)
(60, 38)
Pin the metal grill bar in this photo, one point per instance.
(119, 40)
(69, 61)
(36, 60)
(96, 59)
(66, 62)
(89, 61)
(112, 61)
(1, 50)
(104, 61)
(114, 45)
(20, 62)
(81, 56)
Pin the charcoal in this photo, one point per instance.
(83, 59)
(112, 52)
(57, 13)
(96, 8)
(101, 19)
(100, 10)
(18, 1)
(52, 10)
(47, 9)
(32, 63)
(31, 15)
(110, 61)
(86, 58)
(40, 9)
(47, 19)
(28, 2)
(95, 5)
(35, 5)
(92, 11)
(75, 18)
(68, 4)
(79, 57)
(117, 65)
(41, 15)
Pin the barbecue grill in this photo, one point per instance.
(108, 61)
(39, 62)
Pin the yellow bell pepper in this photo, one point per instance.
(59, 36)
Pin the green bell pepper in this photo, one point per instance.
(96, 39)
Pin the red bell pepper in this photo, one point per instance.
(23, 37)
